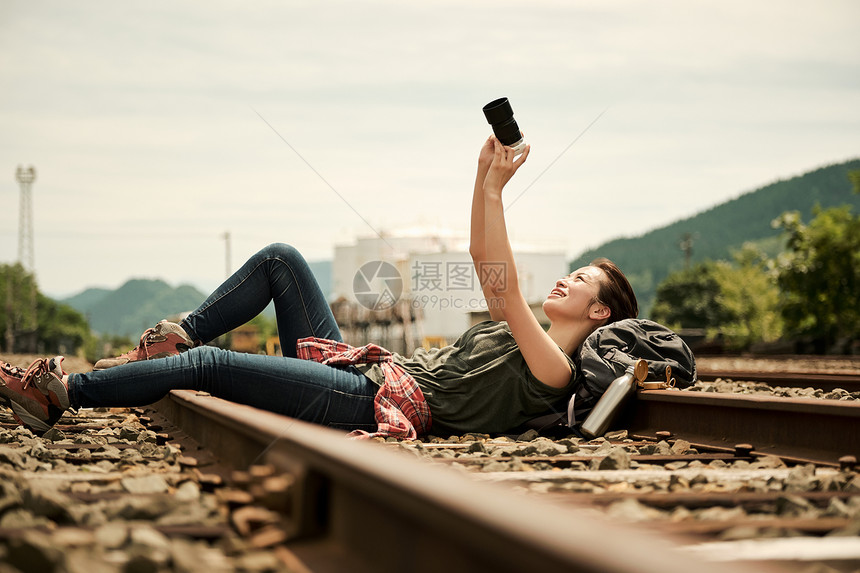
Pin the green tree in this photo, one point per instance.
(49, 327)
(737, 303)
(819, 277)
(61, 329)
(749, 294)
(17, 308)
(690, 299)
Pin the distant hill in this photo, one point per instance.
(135, 306)
(141, 303)
(649, 258)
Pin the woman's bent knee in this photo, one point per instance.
(281, 251)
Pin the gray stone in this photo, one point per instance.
(572, 444)
(129, 433)
(476, 447)
(139, 508)
(603, 449)
(680, 447)
(130, 456)
(187, 491)
(190, 557)
(147, 436)
(257, 562)
(802, 478)
(720, 513)
(146, 541)
(768, 462)
(740, 532)
(88, 439)
(678, 483)
(16, 458)
(548, 448)
(617, 459)
(111, 535)
(527, 436)
(73, 537)
(794, 506)
(88, 560)
(45, 500)
(853, 484)
(186, 514)
(616, 435)
(527, 450)
(632, 510)
(838, 508)
(33, 551)
(21, 518)
(148, 449)
(144, 484)
(54, 435)
(672, 466)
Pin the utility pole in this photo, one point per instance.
(25, 178)
(228, 265)
(687, 246)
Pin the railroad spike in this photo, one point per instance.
(743, 450)
(847, 463)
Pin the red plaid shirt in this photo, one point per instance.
(399, 406)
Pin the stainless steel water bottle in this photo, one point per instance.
(613, 399)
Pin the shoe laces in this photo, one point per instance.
(36, 368)
(146, 340)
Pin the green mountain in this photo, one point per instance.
(715, 233)
(135, 306)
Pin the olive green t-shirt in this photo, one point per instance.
(481, 383)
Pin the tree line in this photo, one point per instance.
(806, 296)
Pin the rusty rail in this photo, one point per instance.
(820, 431)
(357, 506)
(824, 381)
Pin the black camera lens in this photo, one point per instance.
(500, 115)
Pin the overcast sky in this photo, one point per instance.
(155, 127)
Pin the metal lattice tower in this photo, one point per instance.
(25, 178)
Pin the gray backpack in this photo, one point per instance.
(610, 349)
(606, 354)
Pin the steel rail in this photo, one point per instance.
(824, 381)
(801, 429)
(356, 506)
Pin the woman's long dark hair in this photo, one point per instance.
(615, 292)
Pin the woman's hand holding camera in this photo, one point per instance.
(503, 165)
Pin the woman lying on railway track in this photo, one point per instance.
(499, 374)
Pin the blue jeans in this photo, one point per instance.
(340, 397)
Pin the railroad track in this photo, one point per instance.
(275, 494)
(849, 382)
(710, 496)
(799, 429)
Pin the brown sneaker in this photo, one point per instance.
(37, 396)
(165, 339)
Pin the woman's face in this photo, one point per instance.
(574, 294)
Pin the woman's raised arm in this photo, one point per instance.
(477, 238)
(545, 359)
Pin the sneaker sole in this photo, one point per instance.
(28, 419)
(54, 388)
(104, 363)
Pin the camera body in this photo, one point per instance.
(500, 116)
